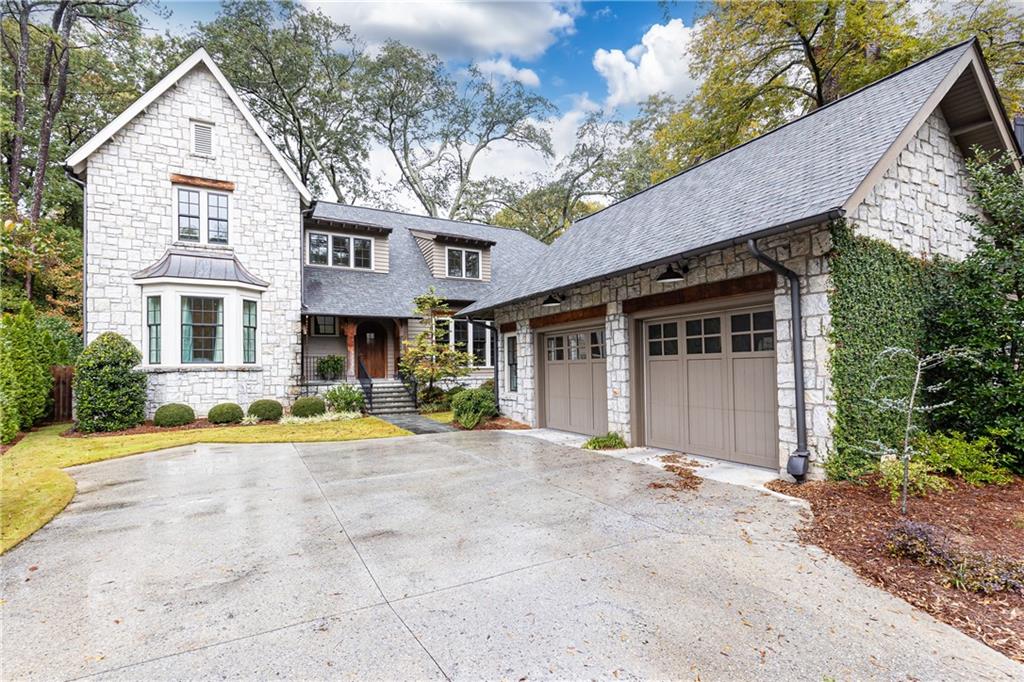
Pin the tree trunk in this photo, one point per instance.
(20, 59)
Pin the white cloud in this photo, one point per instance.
(459, 30)
(504, 68)
(659, 63)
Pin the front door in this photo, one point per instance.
(371, 349)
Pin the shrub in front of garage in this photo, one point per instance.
(473, 406)
(609, 441)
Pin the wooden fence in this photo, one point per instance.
(62, 375)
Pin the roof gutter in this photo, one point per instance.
(827, 216)
(797, 464)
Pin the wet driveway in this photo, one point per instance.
(459, 555)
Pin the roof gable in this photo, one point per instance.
(200, 57)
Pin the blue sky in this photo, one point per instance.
(583, 56)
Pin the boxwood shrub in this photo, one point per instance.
(472, 406)
(309, 406)
(225, 413)
(109, 393)
(174, 414)
(266, 410)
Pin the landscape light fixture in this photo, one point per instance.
(671, 274)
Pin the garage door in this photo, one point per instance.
(710, 385)
(575, 393)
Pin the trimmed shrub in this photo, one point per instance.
(330, 367)
(266, 410)
(25, 378)
(225, 413)
(609, 441)
(174, 414)
(345, 398)
(309, 406)
(109, 393)
(473, 406)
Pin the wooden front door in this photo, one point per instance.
(371, 349)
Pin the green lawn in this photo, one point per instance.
(443, 417)
(33, 489)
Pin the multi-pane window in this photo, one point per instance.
(460, 335)
(467, 337)
(752, 332)
(577, 346)
(153, 325)
(325, 325)
(202, 329)
(512, 362)
(188, 215)
(597, 344)
(463, 263)
(317, 249)
(704, 336)
(479, 345)
(340, 251)
(556, 348)
(217, 218)
(663, 339)
(248, 331)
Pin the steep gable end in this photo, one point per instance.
(200, 58)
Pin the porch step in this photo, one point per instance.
(389, 396)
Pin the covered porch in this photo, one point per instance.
(338, 348)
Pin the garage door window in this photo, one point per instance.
(577, 346)
(752, 332)
(663, 339)
(597, 345)
(704, 336)
(556, 348)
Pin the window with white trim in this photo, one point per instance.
(467, 337)
(340, 251)
(248, 331)
(202, 138)
(202, 329)
(153, 326)
(197, 207)
(463, 263)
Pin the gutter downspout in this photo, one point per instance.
(496, 356)
(85, 249)
(798, 462)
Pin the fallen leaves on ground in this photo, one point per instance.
(682, 467)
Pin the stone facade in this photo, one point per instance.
(917, 205)
(131, 223)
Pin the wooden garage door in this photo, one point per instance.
(710, 384)
(575, 393)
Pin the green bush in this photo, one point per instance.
(308, 406)
(609, 441)
(454, 391)
(330, 367)
(266, 410)
(25, 379)
(978, 461)
(225, 413)
(345, 398)
(488, 385)
(472, 406)
(921, 482)
(9, 426)
(109, 393)
(174, 414)
(67, 343)
(433, 408)
(433, 394)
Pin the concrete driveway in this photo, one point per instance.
(461, 555)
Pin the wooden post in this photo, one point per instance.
(351, 366)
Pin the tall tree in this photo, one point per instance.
(297, 70)
(436, 128)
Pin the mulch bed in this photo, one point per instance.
(495, 424)
(150, 427)
(851, 521)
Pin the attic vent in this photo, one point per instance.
(202, 138)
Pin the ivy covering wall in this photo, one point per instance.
(880, 298)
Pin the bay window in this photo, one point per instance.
(153, 326)
(202, 329)
(248, 332)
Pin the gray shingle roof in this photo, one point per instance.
(350, 292)
(800, 170)
(186, 264)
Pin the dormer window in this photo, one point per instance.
(340, 251)
(463, 263)
(202, 138)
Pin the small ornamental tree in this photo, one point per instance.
(110, 394)
(982, 309)
(430, 358)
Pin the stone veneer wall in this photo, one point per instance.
(131, 223)
(916, 206)
(805, 252)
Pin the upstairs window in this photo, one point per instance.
(202, 138)
(463, 263)
(188, 215)
(217, 218)
(340, 251)
(198, 206)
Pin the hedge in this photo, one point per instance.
(109, 393)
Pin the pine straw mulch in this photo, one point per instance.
(851, 521)
(682, 467)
